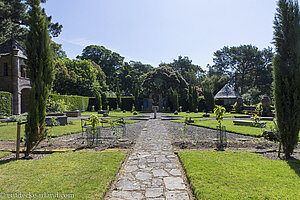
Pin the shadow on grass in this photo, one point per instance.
(295, 165)
(2, 162)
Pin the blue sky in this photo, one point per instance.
(155, 31)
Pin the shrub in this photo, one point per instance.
(56, 106)
(5, 102)
(75, 102)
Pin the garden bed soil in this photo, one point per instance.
(77, 142)
(204, 139)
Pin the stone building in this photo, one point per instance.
(13, 76)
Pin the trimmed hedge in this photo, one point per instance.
(126, 102)
(5, 102)
(76, 102)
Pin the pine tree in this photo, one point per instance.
(40, 62)
(286, 65)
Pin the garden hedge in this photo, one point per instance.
(5, 102)
(76, 102)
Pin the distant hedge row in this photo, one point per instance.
(126, 103)
(76, 102)
(5, 102)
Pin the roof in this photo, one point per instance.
(6, 48)
(227, 92)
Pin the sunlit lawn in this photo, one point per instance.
(9, 131)
(200, 114)
(112, 114)
(3, 154)
(240, 175)
(86, 175)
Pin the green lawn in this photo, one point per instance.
(9, 132)
(230, 127)
(111, 114)
(200, 114)
(3, 154)
(86, 175)
(240, 175)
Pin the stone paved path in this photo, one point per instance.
(152, 170)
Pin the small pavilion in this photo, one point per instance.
(226, 96)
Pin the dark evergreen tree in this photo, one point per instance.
(40, 62)
(286, 65)
(209, 99)
(195, 99)
(118, 93)
(136, 97)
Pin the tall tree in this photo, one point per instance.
(78, 77)
(40, 64)
(108, 60)
(287, 73)
(192, 73)
(14, 19)
(246, 65)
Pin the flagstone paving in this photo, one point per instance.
(152, 170)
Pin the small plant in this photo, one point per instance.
(115, 129)
(133, 108)
(94, 120)
(180, 108)
(219, 112)
(221, 131)
(93, 108)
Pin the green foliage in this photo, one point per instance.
(240, 175)
(209, 99)
(40, 62)
(5, 103)
(286, 65)
(77, 77)
(14, 19)
(74, 102)
(108, 60)
(86, 175)
(247, 66)
(56, 106)
(162, 79)
(219, 111)
(174, 99)
(193, 74)
(118, 93)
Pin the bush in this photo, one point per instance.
(56, 106)
(5, 102)
(75, 102)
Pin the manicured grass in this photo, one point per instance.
(200, 114)
(86, 175)
(3, 154)
(111, 114)
(240, 175)
(9, 132)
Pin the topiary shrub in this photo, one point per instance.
(5, 103)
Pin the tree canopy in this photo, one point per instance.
(108, 60)
(14, 19)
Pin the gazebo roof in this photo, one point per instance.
(227, 92)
